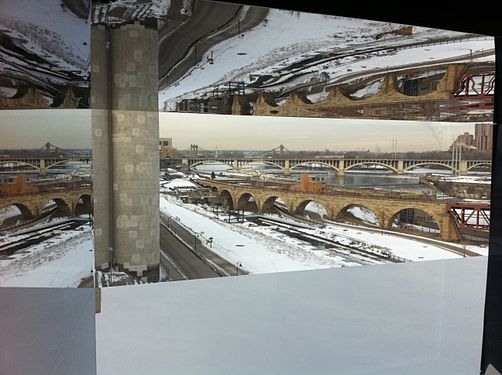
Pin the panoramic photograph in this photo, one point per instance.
(321, 124)
(164, 141)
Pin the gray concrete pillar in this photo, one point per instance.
(101, 147)
(125, 149)
(400, 166)
(286, 168)
(463, 168)
(43, 168)
(341, 168)
(135, 155)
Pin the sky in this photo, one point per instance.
(32, 128)
(224, 132)
(72, 129)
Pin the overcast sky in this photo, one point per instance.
(264, 133)
(72, 129)
(27, 128)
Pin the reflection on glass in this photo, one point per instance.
(281, 63)
(46, 207)
(44, 54)
(330, 165)
(360, 142)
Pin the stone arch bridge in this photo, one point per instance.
(31, 205)
(386, 206)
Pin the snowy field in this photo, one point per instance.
(48, 29)
(286, 38)
(62, 261)
(262, 249)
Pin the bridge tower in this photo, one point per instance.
(125, 132)
(194, 151)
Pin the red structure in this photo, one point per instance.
(472, 216)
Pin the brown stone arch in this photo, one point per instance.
(63, 207)
(25, 210)
(83, 205)
(248, 202)
(299, 208)
(227, 199)
(268, 203)
(393, 214)
(344, 211)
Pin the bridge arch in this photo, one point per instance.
(387, 166)
(416, 216)
(227, 199)
(319, 207)
(241, 166)
(367, 215)
(60, 162)
(486, 163)
(268, 204)
(306, 163)
(83, 205)
(419, 164)
(202, 162)
(26, 212)
(63, 207)
(35, 167)
(248, 202)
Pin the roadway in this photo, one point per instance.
(186, 257)
(184, 40)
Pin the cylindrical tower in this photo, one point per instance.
(125, 127)
(135, 153)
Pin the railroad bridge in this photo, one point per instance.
(67, 199)
(339, 165)
(385, 205)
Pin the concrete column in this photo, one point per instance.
(341, 168)
(72, 205)
(400, 167)
(101, 147)
(286, 168)
(463, 168)
(448, 229)
(43, 168)
(124, 97)
(135, 158)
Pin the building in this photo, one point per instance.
(483, 136)
(465, 141)
(166, 147)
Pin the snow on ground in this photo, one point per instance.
(261, 250)
(469, 179)
(62, 261)
(410, 249)
(482, 250)
(257, 253)
(363, 214)
(177, 184)
(8, 212)
(287, 38)
(368, 90)
(47, 29)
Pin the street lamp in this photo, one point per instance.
(210, 241)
